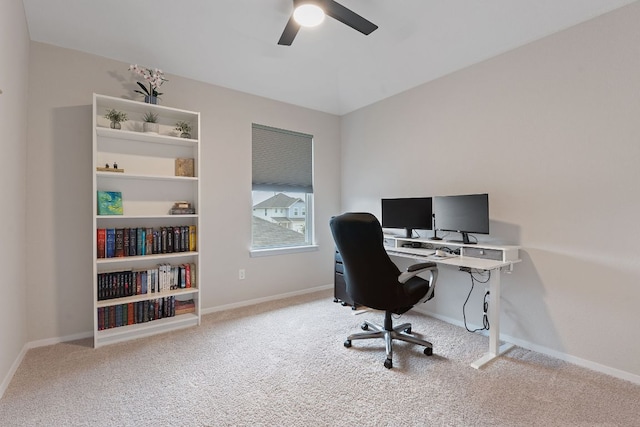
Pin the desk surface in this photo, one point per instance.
(454, 260)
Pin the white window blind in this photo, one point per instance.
(282, 160)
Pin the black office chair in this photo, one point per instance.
(374, 281)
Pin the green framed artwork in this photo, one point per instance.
(109, 203)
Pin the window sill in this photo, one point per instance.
(282, 251)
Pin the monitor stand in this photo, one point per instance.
(435, 230)
(465, 239)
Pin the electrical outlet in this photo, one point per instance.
(241, 274)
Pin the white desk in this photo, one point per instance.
(494, 259)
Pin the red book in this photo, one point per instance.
(149, 245)
(138, 282)
(102, 242)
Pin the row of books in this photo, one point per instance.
(142, 311)
(126, 283)
(123, 242)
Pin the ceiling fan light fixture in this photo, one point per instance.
(308, 15)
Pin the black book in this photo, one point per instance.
(169, 239)
(163, 239)
(126, 241)
(119, 250)
(133, 241)
(177, 239)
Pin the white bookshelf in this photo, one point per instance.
(149, 189)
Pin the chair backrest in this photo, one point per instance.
(370, 275)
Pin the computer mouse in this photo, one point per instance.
(440, 252)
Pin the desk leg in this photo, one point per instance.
(494, 322)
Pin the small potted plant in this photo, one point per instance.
(150, 122)
(184, 128)
(116, 117)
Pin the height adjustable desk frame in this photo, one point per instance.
(494, 259)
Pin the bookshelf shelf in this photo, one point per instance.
(161, 216)
(138, 258)
(112, 175)
(154, 138)
(149, 187)
(136, 298)
(129, 332)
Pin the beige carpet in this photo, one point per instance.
(283, 364)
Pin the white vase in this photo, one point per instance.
(150, 127)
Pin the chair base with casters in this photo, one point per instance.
(389, 333)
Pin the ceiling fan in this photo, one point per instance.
(317, 9)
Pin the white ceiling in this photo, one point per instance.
(331, 68)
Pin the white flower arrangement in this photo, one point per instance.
(153, 77)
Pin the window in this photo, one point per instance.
(282, 186)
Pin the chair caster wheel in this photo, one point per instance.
(408, 330)
(388, 363)
(344, 304)
(364, 327)
(428, 351)
(347, 343)
(336, 300)
(353, 307)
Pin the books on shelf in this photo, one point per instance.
(140, 241)
(132, 313)
(164, 277)
(184, 307)
(109, 203)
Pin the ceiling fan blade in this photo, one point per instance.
(348, 17)
(289, 33)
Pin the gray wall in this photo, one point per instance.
(14, 57)
(551, 132)
(59, 189)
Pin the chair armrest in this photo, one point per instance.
(415, 269)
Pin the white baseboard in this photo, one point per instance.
(265, 299)
(58, 340)
(34, 344)
(12, 371)
(597, 367)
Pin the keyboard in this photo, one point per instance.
(422, 253)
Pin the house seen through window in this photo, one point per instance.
(282, 188)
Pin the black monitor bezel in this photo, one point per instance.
(461, 227)
(408, 203)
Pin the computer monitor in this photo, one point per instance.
(463, 214)
(408, 213)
